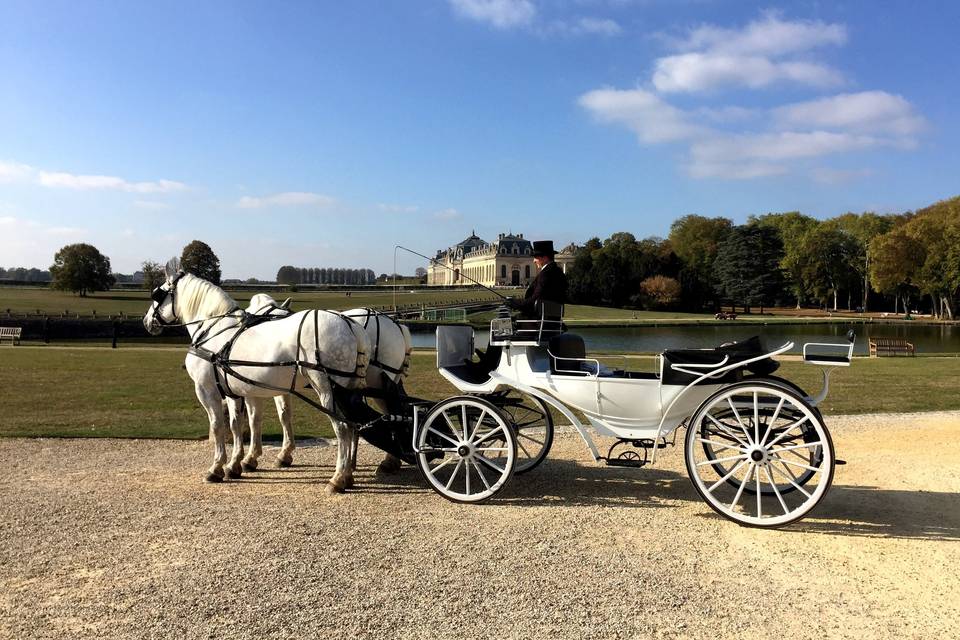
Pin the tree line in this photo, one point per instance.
(332, 275)
(855, 260)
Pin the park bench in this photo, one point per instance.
(10, 333)
(891, 347)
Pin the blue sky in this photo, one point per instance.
(324, 133)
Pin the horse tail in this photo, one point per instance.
(407, 350)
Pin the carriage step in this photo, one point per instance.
(623, 462)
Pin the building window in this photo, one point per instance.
(503, 271)
(528, 272)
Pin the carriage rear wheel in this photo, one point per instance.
(467, 449)
(533, 425)
(765, 437)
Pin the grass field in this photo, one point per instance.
(77, 392)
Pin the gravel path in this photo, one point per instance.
(121, 539)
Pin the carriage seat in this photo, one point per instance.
(734, 351)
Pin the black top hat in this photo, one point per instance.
(543, 248)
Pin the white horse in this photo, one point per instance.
(389, 361)
(315, 348)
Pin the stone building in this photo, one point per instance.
(505, 262)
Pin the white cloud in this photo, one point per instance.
(65, 231)
(768, 36)
(7, 220)
(713, 57)
(501, 14)
(869, 111)
(113, 183)
(692, 72)
(14, 172)
(447, 214)
(643, 112)
(286, 199)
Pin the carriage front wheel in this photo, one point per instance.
(466, 449)
(766, 437)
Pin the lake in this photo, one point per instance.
(926, 338)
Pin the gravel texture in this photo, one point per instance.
(122, 539)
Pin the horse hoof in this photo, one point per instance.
(332, 489)
(249, 466)
(282, 462)
(212, 477)
(232, 474)
(348, 484)
(389, 467)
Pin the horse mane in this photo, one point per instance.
(198, 298)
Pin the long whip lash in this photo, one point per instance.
(440, 264)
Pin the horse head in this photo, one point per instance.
(162, 311)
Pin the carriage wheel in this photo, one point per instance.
(533, 425)
(765, 437)
(714, 440)
(466, 449)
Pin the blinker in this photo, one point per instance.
(158, 295)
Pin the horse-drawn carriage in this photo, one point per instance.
(756, 447)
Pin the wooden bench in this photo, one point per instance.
(891, 347)
(10, 333)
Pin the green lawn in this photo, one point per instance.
(82, 392)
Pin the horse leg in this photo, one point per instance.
(255, 420)
(389, 465)
(234, 469)
(211, 402)
(343, 475)
(285, 457)
(352, 457)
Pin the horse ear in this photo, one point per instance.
(172, 269)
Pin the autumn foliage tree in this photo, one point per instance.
(200, 260)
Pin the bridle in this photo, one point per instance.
(159, 296)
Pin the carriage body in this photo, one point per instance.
(756, 447)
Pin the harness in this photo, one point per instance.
(375, 361)
(224, 366)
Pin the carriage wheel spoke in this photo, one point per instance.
(490, 464)
(487, 435)
(531, 439)
(466, 471)
(776, 490)
(716, 484)
(805, 445)
(719, 444)
(445, 462)
(791, 481)
(773, 421)
(726, 430)
(736, 498)
(787, 429)
(463, 420)
(736, 414)
(797, 464)
(483, 478)
(756, 476)
(501, 449)
(444, 436)
(522, 448)
(716, 460)
(756, 418)
(483, 414)
(454, 474)
(453, 429)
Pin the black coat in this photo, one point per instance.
(550, 284)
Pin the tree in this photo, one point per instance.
(659, 292)
(200, 260)
(791, 226)
(896, 258)
(696, 241)
(825, 260)
(81, 268)
(153, 275)
(747, 266)
(863, 229)
(288, 275)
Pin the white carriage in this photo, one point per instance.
(756, 447)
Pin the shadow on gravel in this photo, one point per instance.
(885, 513)
(845, 511)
